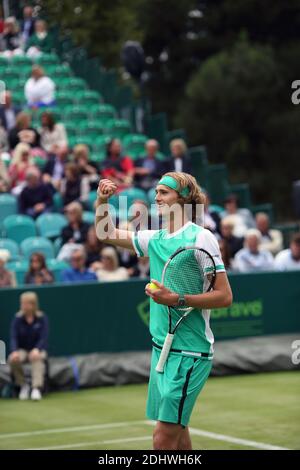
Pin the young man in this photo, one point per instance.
(173, 393)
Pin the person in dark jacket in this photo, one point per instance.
(27, 24)
(76, 231)
(148, 169)
(36, 197)
(180, 160)
(29, 343)
(8, 112)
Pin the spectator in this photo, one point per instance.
(78, 271)
(87, 168)
(225, 253)
(8, 112)
(117, 168)
(54, 169)
(141, 269)
(127, 258)
(41, 41)
(108, 269)
(234, 243)
(38, 273)
(23, 132)
(180, 160)
(289, 259)
(93, 247)
(74, 187)
(4, 178)
(7, 278)
(53, 135)
(29, 343)
(11, 38)
(28, 24)
(148, 169)
(39, 89)
(243, 219)
(77, 230)
(36, 198)
(20, 164)
(271, 239)
(252, 258)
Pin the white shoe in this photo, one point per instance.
(24, 392)
(36, 394)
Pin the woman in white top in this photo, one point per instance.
(53, 135)
(39, 89)
(108, 269)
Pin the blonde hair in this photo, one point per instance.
(76, 207)
(22, 119)
(19, 150)
(179, 143)
(111, 253)
(80, 150)
(195, 196)
(33, 298)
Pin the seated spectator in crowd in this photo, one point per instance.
(23, 132)
(3, 140)
(271, 239)
(7, 278)
(74, 187)
(211, 218)
(93, 247)
(54, 169)
(11, 41)
(116, 167)
(77, 230)
(39, 89)
(225, 253)
(53, 135)
(127, 258)
(109, 269)
(234, 243)
(21, 162)
(41, 41)
(27, 24)
(29, 343)
(4, 178)
(141, 269)
(87, 168)
(148, 169)
(243, 217)
(180, 160)
(8, 112)
(38, 273)
(289, 259)
(78, 271)
(36, 197)
(252, 257)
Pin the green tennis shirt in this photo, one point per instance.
(194, 335)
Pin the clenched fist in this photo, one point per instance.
(105, 189)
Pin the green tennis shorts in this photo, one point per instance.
(173, 393)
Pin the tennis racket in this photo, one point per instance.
(190, 270)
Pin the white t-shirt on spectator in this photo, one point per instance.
(40, 91)
(246, 261)
(285, 262)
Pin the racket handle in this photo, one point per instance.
(164, 353)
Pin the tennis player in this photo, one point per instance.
(173, 393)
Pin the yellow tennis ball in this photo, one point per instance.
(152, 286)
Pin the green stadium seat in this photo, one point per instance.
(37, 244)
(134, 194)
(100, 143)
(21, 60)
(104, 112)
(62, 70)
(10, 75)
(4, 61)
(71, 129)
(62, 82)
(117, 128)
(57, 201)
(24, 72)
(151, 195)
(81, 139)
(97, 157)
(11, 246)
(18, 98)
(88, 97)
(20, 268)
(76, 114)
(50, 225)
(8, 206)
(40, 162)
(19, 227)
(64, 98)
(88, 217)
(47, 59)
(134, 145)
(56, 267)
(91, 128)
(76, 84)
(57, 244)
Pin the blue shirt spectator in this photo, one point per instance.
(78, 271)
